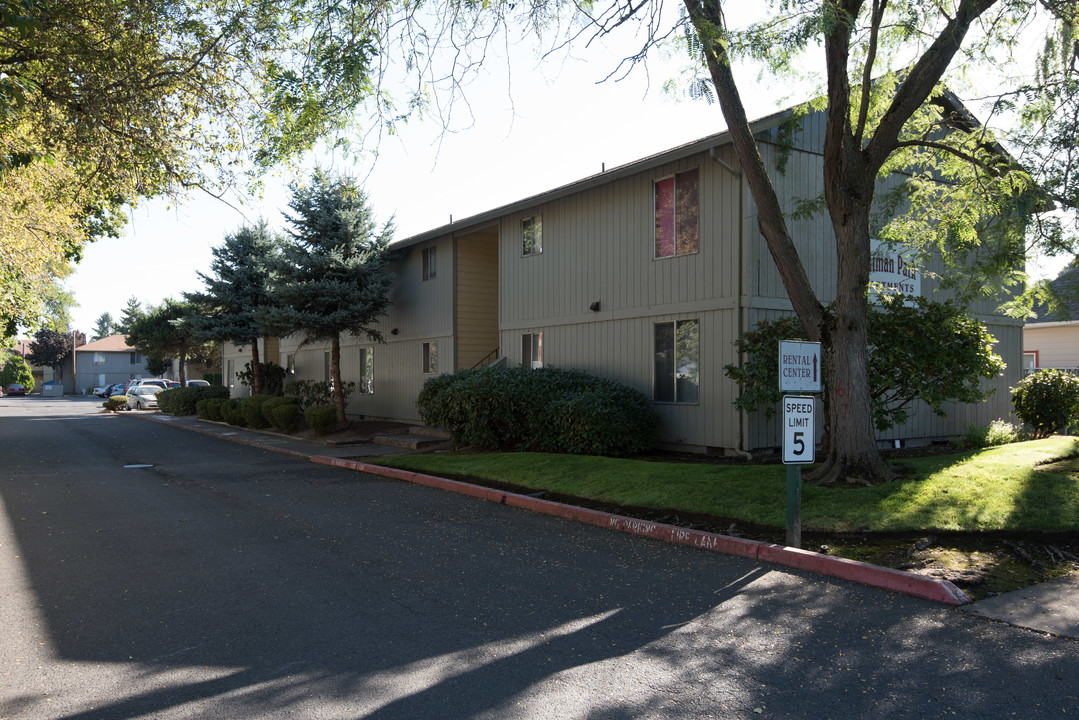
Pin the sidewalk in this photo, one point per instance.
(1051, 607)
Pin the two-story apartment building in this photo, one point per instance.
(107, 361)
(645, 273)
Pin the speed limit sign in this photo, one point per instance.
(798, 430)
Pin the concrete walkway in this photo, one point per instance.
(1050, 607)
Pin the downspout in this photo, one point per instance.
(743, 419)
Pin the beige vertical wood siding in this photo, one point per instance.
(476, 285)
(1057, 346)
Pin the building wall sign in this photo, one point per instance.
(891, 270)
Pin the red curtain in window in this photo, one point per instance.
(687, 185)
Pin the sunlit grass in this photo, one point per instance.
(998, 488)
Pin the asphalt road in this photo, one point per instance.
(230, 582)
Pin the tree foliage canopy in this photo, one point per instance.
(104, 102)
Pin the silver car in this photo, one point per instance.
(143, 397)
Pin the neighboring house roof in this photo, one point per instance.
(112, 343)
(21, 347)
(1066, 289)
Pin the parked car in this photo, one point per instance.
(198, 383)
(16, 389)
(143, 397)
(117, 389)
(173, 383)
(145, 381)
(101, 390)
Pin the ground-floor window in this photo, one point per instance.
(367, 370)
(532, 350)
(230, 373)
(676, 362)
(290, 363)
(327, 367)
(430, 358)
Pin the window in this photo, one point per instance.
(230, 373)
(677, 214)
(290, 363)
(428, 263)
(677, 362)
(99, 358)
(136, 359)
(532, 350)
(367, 370)
(430, 357)
(532, 232)
(326, 367)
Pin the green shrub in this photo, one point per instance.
(1047, 401)
(316, 392)
(321, 418)
(544, 410)
(251, 408)
(272, 376)
(271, 404)
(16, 370)
(230, 413)
(116, 402)
(286, 417)
(998, 432)
(212, 408)
(184, 400)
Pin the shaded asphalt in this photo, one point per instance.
(1050, 607)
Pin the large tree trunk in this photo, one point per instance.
(256, 368)
(852, 449)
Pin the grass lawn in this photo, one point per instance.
(1013, 487)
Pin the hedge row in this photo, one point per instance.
(543, 410)
(184, 400)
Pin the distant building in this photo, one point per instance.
(1051, 340)
(107, 361)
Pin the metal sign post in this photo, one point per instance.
(799, 371)
(798, 445)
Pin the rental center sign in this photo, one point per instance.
(799, 366)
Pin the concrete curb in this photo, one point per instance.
(928, 588)
(942, 591)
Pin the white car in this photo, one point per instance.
(143, 397)
(198, 383)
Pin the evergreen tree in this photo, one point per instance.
(333, 276)
(104, 326)
(130, 313)
(238, 291)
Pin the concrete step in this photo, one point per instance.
(429, 431)
(411, 441)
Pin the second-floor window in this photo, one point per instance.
(532, 234)
(677, 214)
(429, 267)
(99, 358)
